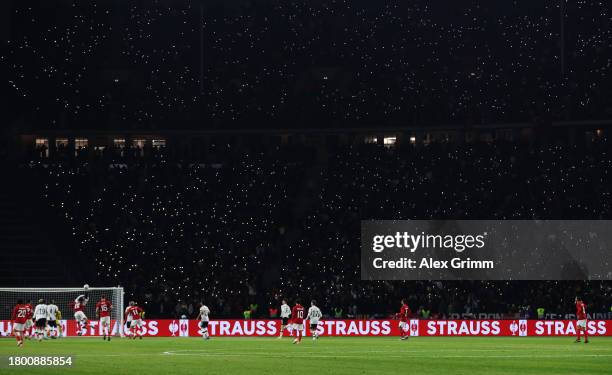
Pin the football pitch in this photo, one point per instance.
(328, 355)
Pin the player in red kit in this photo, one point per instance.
(581, 317)
(103, 310)
(19, 318)
(135, 314)
(78, 305)
(27, 329)
(404, 317)
(297, 317)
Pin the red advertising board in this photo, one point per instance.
(267, 328)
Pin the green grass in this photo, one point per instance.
(329, 355)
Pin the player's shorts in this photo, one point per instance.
(19, 327)
(285, 321)
(79, 315)
(41, 323)
(136, 323)
(28, 324)
(403, 325)
(105, 320)
(313, 326)
(203, 324)
(581, 323)
(52, 323)
(298, 326)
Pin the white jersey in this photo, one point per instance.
(204, 311)
(51, 311)
(314, 314)
(285, 311)
(40, 311)
(129, 316)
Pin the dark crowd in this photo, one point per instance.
(240, 228)
(306, 63)
(242, 225)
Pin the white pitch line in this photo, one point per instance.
(407, 355)
(412, 350)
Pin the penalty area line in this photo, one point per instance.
(361, 355)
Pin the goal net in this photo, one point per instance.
(64, 298)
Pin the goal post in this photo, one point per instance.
(64, 298)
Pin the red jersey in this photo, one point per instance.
(404, 313)
(20, 314)
(78, 306)
(134, 312)
(29, 311)
(580, 310)
(297, 314)
(103, 308)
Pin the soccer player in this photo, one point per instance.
(128, 319)
(203, 315)
(581, 317)
(79, 315)
(40, 317)
(136, 322)
(58, 318)
(52, 311)
(297, 317)
(285, 316)
(29, 323)
(404, 316)
(314, 314)
(19, 318)
(103, 310)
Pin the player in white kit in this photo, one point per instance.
(314, 314)
(52, 310)
(128, 319)
(285, 316)
(40, 319)
(203, 316)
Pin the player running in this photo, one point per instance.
(581, 317)
(314, 314)
(52, 311)
(285, 316)
(79, 315)
(203, 315)
(404, 316)
(19, 318)
(103, 311)
(136, 313)
(297, 315)
(40, 317)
